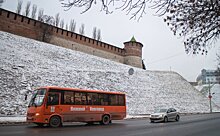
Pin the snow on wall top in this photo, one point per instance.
(26, 64)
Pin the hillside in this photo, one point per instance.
(26, 64)
(214, 89)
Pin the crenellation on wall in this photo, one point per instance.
(17, 24)
(87, 41)
(133, 49)
(89, 50)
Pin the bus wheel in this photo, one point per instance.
(105, 120)
(55, 121)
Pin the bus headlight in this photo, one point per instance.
(37, 114)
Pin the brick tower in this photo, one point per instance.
(133, 53)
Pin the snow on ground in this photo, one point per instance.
(12, 119)
(216, 96)
(26, 64)
(214, 90)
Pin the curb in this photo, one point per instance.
(13, 123)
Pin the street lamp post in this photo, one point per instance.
(210, 97)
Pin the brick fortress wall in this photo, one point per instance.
(17, 24)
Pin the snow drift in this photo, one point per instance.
(26, 64)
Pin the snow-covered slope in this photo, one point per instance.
(216, 94)
(214, 90)
(26, 64)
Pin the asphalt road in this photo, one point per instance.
(190, 125)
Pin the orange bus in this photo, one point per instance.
(55, 105)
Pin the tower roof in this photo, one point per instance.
(133, 39)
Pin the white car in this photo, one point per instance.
(164, 115)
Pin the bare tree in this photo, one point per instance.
(34, 11)
(218, 60)
(99, 35)
(72, 26)
(1, 2)
(27, 9)
(197, 21)
(94, 33)
(57, 19)
(40, 14)
(82, 29)
(19, 6)
(67, 26)
(218, 66)
(48, 19)
(135, 8)
(45, 26)
(62, 24)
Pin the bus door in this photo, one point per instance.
(53, 103)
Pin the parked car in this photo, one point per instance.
(165, 115)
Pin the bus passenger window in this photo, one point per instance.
(78, 98)
(92, 98)
(121, 100)
(104, 99)
(89, 98)
(113, 99)
(68, 97)
(77, 101)
(67, 100)
(84, 99)
(53, 99)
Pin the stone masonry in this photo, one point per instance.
(17, 24)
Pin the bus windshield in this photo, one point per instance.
(37, 97)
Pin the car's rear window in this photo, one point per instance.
(160, 110)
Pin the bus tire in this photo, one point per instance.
(105, 120)
(55, 121)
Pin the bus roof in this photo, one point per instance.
(77, 89)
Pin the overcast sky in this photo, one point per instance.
(162, 50)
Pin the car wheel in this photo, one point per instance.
(151, 121)
(165, 119)
(177, 118)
